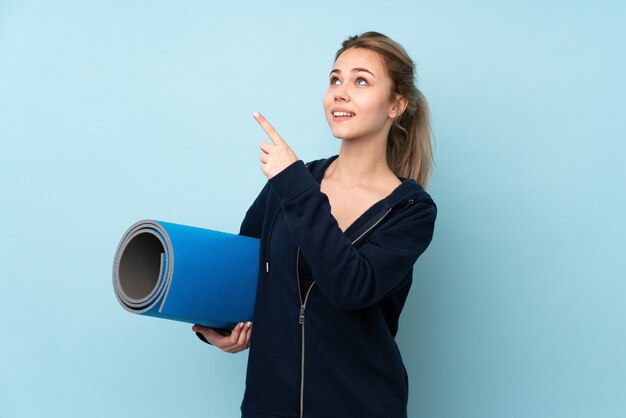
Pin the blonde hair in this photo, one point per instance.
(409, 150)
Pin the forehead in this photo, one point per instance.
(360, 58)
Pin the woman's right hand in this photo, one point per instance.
(238, 340)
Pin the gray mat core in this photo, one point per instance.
(140, 265)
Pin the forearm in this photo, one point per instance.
(349, 277)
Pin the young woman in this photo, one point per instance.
(339, 238)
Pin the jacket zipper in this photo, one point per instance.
(303, 307)
(301, 322)
(373, 226)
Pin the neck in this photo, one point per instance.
(361, 161)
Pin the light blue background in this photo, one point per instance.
(116, 111)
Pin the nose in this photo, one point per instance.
(341, 94)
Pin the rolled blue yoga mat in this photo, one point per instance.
(186, 274)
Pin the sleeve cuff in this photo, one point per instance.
(292, 181)
(202, 338)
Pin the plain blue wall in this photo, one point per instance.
(116, 111)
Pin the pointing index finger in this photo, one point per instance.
(268, 128)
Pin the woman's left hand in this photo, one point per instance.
(276, 156)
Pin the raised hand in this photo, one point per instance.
(276, 156)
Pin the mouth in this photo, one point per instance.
(341, 115)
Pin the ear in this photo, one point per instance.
(398, 107)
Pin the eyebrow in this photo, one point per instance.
(354, 70)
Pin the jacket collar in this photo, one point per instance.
(407, 190)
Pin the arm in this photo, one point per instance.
(252, 223)
(351, 278)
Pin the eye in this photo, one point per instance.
(360, 81)
(334, 80)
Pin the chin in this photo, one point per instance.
(344, 136)
(339, 132)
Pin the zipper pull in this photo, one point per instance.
(267, 266)
(301, 319)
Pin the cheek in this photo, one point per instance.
(327, 101)
(372, 104)
(382, 104)
(376, 109)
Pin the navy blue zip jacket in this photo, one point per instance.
(328, 351)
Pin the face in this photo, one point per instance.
(358, 101)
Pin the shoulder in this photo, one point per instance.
(409, 193)
(411, 211)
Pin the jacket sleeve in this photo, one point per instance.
(350, 277)
(252, 223)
